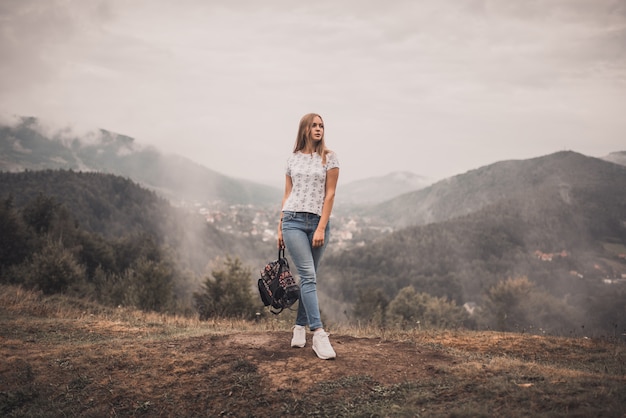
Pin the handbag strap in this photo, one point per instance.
(281, 252)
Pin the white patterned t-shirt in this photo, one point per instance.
(308, 178)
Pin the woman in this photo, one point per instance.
(310, 183)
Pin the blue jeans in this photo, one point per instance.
(298, 230)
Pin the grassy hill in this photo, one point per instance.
(70, 357)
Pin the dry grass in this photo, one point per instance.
(68, 357)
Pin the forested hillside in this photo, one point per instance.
(545, 247)
(106, 238)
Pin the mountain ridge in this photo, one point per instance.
(24, 147)
(468, 192)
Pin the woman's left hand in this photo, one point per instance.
(318, 238)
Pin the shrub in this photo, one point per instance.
(516, 304)
(371, 306)
(54, 269)
(410, 309)
(227, 293)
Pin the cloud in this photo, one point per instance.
(10, 120)
(34, 32)
(226, 82)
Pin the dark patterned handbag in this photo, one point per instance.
(277, 286)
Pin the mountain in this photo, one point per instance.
(25, 147)
(375, 190)
(559, 174)
(559, 220)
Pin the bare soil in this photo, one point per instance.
(69, 362)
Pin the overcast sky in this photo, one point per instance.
(435, 87)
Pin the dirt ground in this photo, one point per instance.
(297, 369)
(204, 375)
(60, 362)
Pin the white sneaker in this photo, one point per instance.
(322, 347)
(299, 336)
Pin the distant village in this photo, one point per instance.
(609, 277)
(348, 232)
(251, 221)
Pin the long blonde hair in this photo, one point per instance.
(304, 135)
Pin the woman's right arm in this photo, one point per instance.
(288, 186)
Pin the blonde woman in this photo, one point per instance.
(310, 182)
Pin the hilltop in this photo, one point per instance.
(70, 357)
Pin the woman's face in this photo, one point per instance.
(317, 129)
